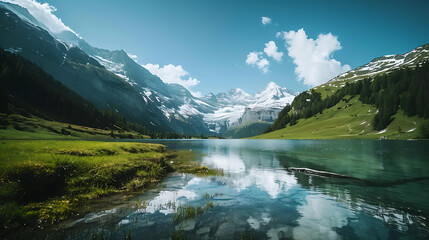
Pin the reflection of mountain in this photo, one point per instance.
(400, 204)
(259, 194)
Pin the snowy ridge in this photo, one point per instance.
(273, 96)
(386, 64)
(167, 105)
(116, 68)
(232, 105)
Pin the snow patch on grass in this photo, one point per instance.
(382, 131)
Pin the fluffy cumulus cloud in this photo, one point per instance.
(271, 51)
(43, 12)
(252, 58)
(173, 74)
(255, 59)
(313, 58)
(266, 20)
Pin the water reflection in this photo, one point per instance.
(245, 170)
(259, 198)
(230, 163)
(320, 218)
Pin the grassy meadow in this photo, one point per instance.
(347, 120)
(21, 127)
(46, 181)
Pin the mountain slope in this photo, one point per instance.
(166, 105)
(245, 130)
(391, 104)
(386, 64)
(149, 100)
(378, 66)
(25, 89)
(237, 107)
(78, 71)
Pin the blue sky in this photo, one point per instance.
(212, 39)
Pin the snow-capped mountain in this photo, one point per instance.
(94, 73)
(140, 96)
(273, 96)
(232, 107)
(77, 70)
(386, 64)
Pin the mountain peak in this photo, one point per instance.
(237, 92)
(272, 85)
(386, 64)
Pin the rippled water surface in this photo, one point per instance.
(259, 198)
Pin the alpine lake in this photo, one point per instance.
(382, 193)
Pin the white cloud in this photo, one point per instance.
(266, 20)
(132, 56)
(252, 58)
(255, 59)
(263, 65)
(43, 12)
(172, 74)
(271, 51)
(313, 58)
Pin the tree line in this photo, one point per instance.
(27, 90)
(404, 88)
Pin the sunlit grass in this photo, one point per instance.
(347, 120)
(49, 180)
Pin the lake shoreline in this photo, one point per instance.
(45, 182)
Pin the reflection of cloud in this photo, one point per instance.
(319, 217)
(256, 223)
(280, 233)
(271, 181)
(230, 163)
(168, 201)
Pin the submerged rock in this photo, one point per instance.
(188, 225)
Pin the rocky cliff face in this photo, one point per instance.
(259, 114)
(237, 107)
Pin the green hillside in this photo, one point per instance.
(393, 106)
(348, 120)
